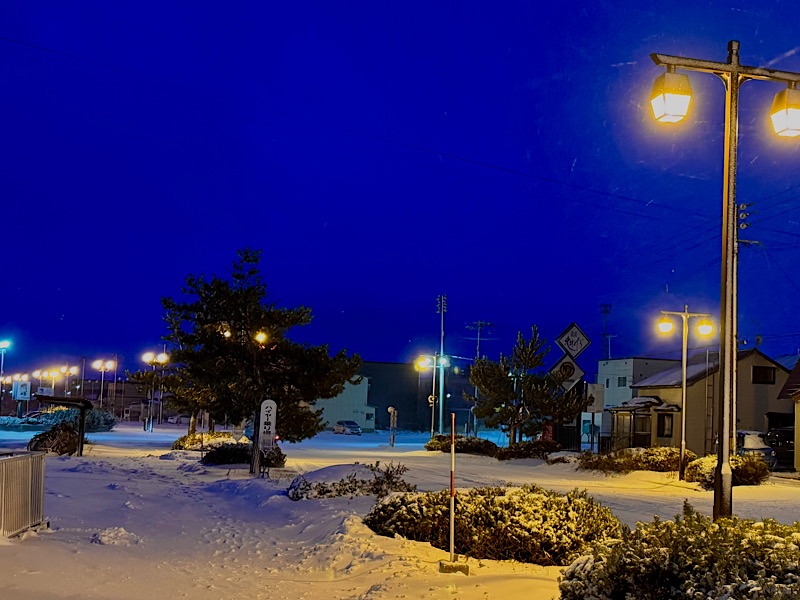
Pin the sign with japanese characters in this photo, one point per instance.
(567, 372)
(573, 341)
(21, 390)
(266, 431)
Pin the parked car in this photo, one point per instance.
(781, 439)
(179, 419)
(753, 443)
(347, 428)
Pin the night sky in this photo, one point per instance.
(381, 154)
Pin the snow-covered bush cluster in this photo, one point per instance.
(635, 459)
(205, 441)
(231, 454)
(350, 481)
(464, 445)
(96, 419)
(527, 524)
(747, 470)
(473, 445)
(692, 557)
(532, 449)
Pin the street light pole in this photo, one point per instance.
(4, 345)
(733, 74)
(685, 315)
(441, 302)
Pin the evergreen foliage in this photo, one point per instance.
(518, 395)
(464, 445)
(381, 482)
(530, 449)
(473, 445)
(747, 470)
(206, 441)
(225, 369)
(691, 557)
(233, 454)
(661, 459)
(528, 524)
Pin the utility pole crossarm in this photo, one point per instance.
(718, 68)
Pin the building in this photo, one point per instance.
(652, 417)
(350, 405)
(616, 376)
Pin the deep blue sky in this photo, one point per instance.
(381, 154)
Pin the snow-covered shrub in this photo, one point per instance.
(530, 449)
(659, 459)
(232, 454)
(464, 445)
(527, 524)
(204, 441)
(691, 557)
(747, 470)
(96, 419)
(361, 480)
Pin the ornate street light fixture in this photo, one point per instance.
(785, 121)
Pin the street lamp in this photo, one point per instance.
(102, 366)
(155, 360)
(786, 121)
(704, 328)
(68, 371)
(435, 362)
(4, 345)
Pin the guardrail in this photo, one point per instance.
(21, 491)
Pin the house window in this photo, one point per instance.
(622, 381)
(608, 382)
(370, 416)
(764, 375)
(664, 425)
(642, 424)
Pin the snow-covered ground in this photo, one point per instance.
(132, 519)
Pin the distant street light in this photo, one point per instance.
(103, 366)
(68, 371)
(4, 345)
(435, 362)
(704, 328)
(158, 360)
(670, 103)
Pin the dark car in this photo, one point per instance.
(781, 439)
(754, 443)
(347, 428)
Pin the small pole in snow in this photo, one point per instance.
(452, 566)
(452, 486)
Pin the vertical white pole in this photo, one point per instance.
(452, 486)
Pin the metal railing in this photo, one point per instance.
(21, 491)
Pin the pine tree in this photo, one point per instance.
(232, 351)
(518, 396)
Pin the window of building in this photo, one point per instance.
(642, 424)
(664, 425)
(622, 381)
(608, 382)
(763, 374)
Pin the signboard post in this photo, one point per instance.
(266, 432)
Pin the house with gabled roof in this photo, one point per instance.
(652, 417)
(791, 393)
